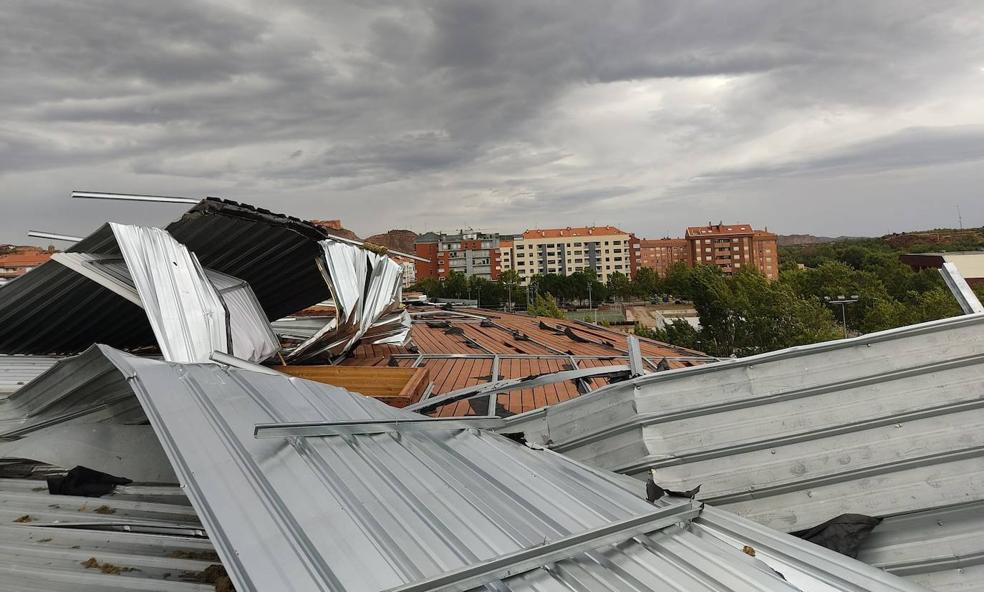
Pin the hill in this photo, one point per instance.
(939, 239)
(397, 240)
(795, 240)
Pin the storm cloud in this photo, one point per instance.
(500, 115)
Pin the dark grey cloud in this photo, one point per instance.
(907, 149)
(477, 113)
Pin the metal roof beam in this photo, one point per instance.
(635, 355)
(53, 236)
(524, 560)
(361, 427)
(134, 197)
(960, 289)
(514, 384)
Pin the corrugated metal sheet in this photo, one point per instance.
(183, 307)
(40, 554)
(887, 424)
(371, 512)
(85, 389)
(366, 289)
(939, 548)
(274, 253)
(53, 310)
(182, 311)
(16, 371)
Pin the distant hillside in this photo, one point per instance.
(939, 239)
(397, 240)
(335, 227)
(795, 240)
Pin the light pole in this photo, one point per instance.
(590, 307)
(843, 301)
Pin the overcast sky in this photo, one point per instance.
(853, 117)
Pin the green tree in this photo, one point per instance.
(677, 280)
(509, 276)
(748, 314)
(544, 305)
(645, 283)
(619, 285)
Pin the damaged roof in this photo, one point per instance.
(888, 424)
(50, 541)
(411, 509)
(136, 287)
(465, 347)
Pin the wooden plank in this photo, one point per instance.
(378, 382)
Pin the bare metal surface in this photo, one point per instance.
(133, 197)
(366, 289)
(356, 427)
(379, 511)
(960, 289)
(889, 424)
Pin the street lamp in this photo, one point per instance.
(843, 301)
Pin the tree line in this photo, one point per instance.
(745, 314)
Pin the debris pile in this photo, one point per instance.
(148, 354)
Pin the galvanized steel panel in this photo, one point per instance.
(885, 424)
(372, 512)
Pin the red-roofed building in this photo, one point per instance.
(733, 246)
(16, 264)
(661, 254)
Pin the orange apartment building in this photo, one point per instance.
(21, 261)
(734, 246)
(661, 254)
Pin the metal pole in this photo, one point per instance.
(844, 317)
(134, 197)
(53, 236)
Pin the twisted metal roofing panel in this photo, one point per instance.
(380, 511)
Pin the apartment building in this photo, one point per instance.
(563, 251)
(732, 247)
(21, 261)
(473, 253)
(661, 254)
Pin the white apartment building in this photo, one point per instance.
(562, 251)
